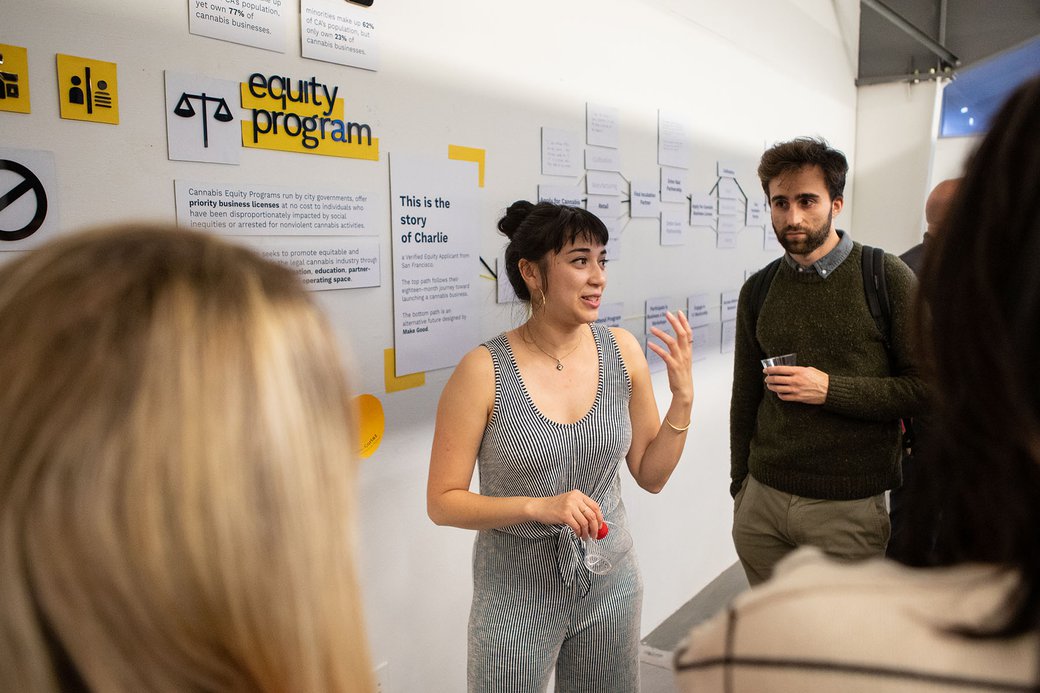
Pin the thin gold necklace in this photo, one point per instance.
(558, 360)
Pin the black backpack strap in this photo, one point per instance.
(876, 289)
(760, 283)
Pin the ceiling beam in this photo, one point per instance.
(911, 77)
(921, 37)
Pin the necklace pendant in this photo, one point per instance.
(559, 366)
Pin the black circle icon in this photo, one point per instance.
(30, 182)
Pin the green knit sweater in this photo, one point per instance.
(848, 447)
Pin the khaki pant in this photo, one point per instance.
(768, 524)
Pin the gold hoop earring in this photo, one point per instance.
(542, 304)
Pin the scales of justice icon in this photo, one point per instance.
(185, 110)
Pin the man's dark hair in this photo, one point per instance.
(785, 157)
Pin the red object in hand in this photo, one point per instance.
(603, 529)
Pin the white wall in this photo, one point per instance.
(951, 154)
(484, 74)
(899, 159)
(895, 126)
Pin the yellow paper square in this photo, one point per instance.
(473, 154)
(405, 382)
(14, 79)
(88, 90)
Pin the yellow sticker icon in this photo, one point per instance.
(88, 90)
(371, 424)
(14, 79)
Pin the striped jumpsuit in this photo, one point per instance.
(534, 602)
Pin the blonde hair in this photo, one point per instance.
(176, 473)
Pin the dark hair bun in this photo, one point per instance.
(514, 217)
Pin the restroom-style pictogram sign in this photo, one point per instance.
(88, 90)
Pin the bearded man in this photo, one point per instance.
(814, 446)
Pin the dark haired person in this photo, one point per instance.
(966, 618)
(549, 410)
(815, 446)
(936, 209)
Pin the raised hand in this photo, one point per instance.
(679, 355)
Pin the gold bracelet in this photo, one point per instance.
(676, 428)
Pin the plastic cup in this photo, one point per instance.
(783, 360)
(603, 555)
